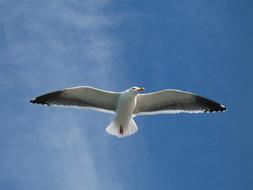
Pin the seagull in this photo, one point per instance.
(129, 103)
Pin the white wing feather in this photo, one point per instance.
(81, 96)
(174, 101)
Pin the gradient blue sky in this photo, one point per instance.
(200, 46)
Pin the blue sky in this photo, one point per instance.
(199, 46)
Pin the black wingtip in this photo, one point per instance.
(217, 109)
(35, 101)
(211, 105)
(32, 101)
(46, 98)
(223, 108)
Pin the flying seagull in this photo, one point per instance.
(129, 103)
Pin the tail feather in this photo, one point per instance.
(114, 129)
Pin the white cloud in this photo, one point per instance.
(51, 45)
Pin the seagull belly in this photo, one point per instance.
(124, 111)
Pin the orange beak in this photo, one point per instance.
(140, 89)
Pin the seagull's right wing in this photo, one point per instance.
(83, 96)
(174, 101)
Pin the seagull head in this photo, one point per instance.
(135, 90)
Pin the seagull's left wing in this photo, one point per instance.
(83, 96)
(174, 101)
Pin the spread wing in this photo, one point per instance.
(174, 101)
(83, 96)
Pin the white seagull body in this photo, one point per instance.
(128, 104)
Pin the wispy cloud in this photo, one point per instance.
(49, 45)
